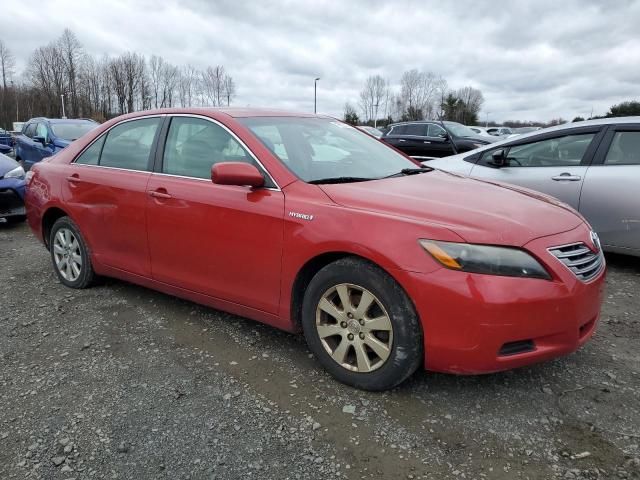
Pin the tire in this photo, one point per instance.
(65, 253)
(358, 364)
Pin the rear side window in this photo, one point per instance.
(397, 130)
(624, 149)
(419, 130)
(194, 145)
(129, 144)
(91, 155)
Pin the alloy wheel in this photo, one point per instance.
(67, 254)
(354, 327)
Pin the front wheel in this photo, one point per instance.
(69, 253)
(361, 325)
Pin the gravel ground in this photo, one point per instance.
(118, 381)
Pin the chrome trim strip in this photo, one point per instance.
(203, 117)
(208, 180)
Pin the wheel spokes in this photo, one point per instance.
(325, 331)
(379, 323)
(340, 353)
(364, 364)
(330, 309)
(379, 348)
(366, 300)
(343, 293)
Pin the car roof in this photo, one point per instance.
(59, 120)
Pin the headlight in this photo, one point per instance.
(505, 261)
(17, 172)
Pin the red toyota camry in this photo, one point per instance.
(305, 223)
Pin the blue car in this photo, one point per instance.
(12, 188)
(43, 137)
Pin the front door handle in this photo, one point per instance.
(401, 140)
(426, 141)
(566, 177)
(160, 193)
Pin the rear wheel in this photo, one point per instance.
(70, 255)
(361, 325)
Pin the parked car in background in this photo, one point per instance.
(479, 130)
(385, 266)
(594, 166)
(12, 189)
(370, 130)
(499, 131)
(43, 137)
(6, 141)
(521, 130)
(429, 139)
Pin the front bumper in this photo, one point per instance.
(12, 197)
(476, 323)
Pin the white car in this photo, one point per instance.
(594, 166)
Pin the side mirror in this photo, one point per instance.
(40, 139)
(236, 173)
(498, 159)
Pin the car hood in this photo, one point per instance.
(478, 211)
(7, 164)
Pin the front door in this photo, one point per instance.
(610, 200)
(553, 165)
(220, 240)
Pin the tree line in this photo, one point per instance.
(419, 96)
(63, 73)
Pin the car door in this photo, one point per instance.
(224, 241)
(25, 145)
(553, 163)
(40, 150)
(610, 198)
(439, 144)
(396, 137)
(107, 193)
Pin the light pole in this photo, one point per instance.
(375, 120)
(486, 120)
(62, 100)
(315, 95)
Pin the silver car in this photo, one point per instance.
(594, 166)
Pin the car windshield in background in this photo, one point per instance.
(459, 130)
(72, 131)
(321, 148)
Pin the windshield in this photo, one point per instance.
(459, 130)
(320, 148)
(72, 131)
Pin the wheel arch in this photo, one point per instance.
(48, 219)
(312, 266)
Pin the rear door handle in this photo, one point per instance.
(73, 178)
(160, 194)
(566, 177)
(401, 140)
(426, 141)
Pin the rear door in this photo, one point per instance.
(107, 193)
(611, 193)
(395, 136)
(554, 163)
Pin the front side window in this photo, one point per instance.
(30, 131)
(552, 152)
(194, 145)
(436, 130)
(41, 131)
(129, 144)
(315, 149)
(624, 149)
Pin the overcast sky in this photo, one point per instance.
(533, 60)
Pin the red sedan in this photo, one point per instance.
(306, 223)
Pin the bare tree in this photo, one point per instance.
(7, 64)
(229, 88)
(71, 52)
(372, 96)
(472, 100)
(213, 80)
(417, 91)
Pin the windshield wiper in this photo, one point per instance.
(340, 180)
(410, 171)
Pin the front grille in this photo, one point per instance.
(580, 259)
